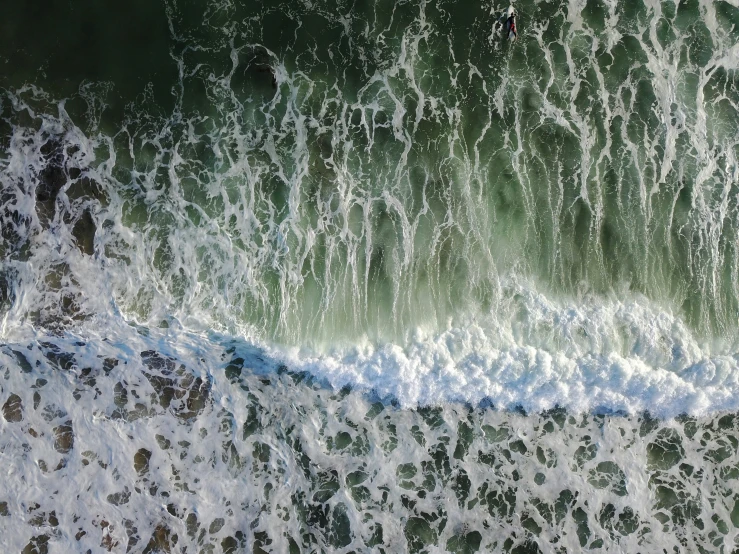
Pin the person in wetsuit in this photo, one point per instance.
(511, 22)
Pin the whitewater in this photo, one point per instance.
(353, 277)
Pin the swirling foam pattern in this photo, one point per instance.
(279, 201)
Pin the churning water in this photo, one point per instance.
(362, 277)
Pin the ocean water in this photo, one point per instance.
(302, 277)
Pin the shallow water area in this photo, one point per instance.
(198, 451)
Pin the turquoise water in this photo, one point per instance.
(388, 200)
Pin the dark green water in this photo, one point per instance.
(587, 159)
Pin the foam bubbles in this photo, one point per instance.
(169, 440)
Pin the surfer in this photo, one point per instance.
(511, 24)
(508, 20)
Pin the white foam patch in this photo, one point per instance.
(623, 356)
(98, 453)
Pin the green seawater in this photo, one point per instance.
(374, 167)
(361, 276)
